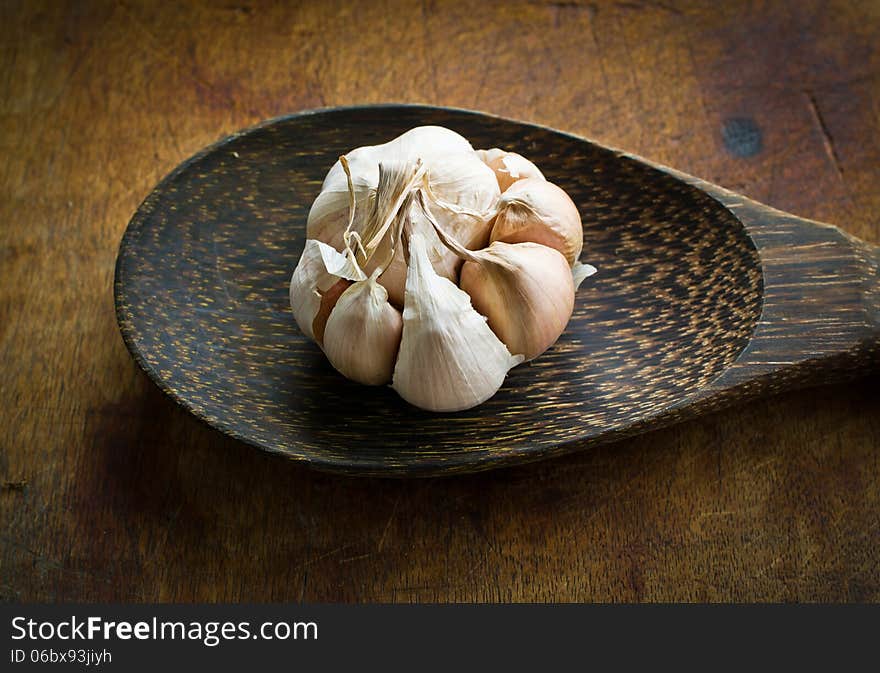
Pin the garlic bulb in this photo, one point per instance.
(449, 359)
(328, 302)
(509, 166)
(405, 226)
(319, 269)
(539, 211)
(462, 187)
(363, 333)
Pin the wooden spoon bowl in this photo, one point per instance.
(702, 298)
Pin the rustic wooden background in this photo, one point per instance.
(111, 493)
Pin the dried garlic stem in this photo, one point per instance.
(447, 240)
(395, 186)
(348, 234)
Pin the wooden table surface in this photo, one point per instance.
(112, 493)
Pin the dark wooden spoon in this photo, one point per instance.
(703, 298)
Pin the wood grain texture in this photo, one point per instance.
(112, 493)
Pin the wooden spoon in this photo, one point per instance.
(703, 298)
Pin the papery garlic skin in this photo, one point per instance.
(464, 188)
(526, 292)
(449, 359)
(537, 211)
(320, 268)
(363, 333)
(580, 272)
(509, 166)
(328, 215)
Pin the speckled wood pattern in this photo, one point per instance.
(202, 280)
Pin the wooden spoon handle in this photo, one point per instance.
(820, 319)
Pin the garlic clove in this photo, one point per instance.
(466, 190)
(526, 292)
(320, 268)
(449, 359)
(509, 166)
(363, 334)
(328, 302)
(537, 211)
(393, 279)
